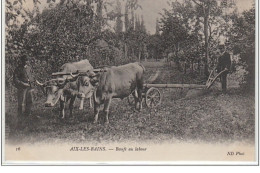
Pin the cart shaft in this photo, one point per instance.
(175, 86)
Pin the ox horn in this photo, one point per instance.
(45, 83)
(93, 74)
(39, 83)
(74, 76)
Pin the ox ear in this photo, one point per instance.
(94, 79)
(61, 82)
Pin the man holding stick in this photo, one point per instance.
(224, 63)
(23, 81)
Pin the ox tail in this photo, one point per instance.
(154, 77)
(141, 66)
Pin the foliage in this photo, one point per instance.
(243, 39)
(119, 22)
(190, 31)
(179, 32)
(67, 31)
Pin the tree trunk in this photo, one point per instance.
(99, 14)
(139, 56)
(206, 33)
(177, 58)
(185, 67)
(133, 53)
(199, 66)
(192, 66)
(126, 51)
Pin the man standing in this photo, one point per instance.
(224, 63)
(23, 80)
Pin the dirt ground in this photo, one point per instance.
(184, 115)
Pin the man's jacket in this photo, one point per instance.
(21, 76)
(224, 61)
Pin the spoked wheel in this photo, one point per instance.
(131, 99)
(153, 97)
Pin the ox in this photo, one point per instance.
(63, 88)
(114, 82)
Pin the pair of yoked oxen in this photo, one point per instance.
(101, 85)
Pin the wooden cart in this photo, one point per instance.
(153, 97)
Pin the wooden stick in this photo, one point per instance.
(210, 83)
(63, 73)
(174, 86)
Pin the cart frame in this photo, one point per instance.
(153, 96)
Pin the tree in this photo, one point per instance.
(126, 17)
(205, 8)
(142, 25)
(119, 22)
(17, 21)
(175, 28)
(157, 27)
(68, 31)
(243, 43)
(212, 13)
(131, 5)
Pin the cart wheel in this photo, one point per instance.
(153, 98)
(131, 99)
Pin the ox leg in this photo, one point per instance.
(72, 100)
(62, 109)
(96, 111)
(136, 98)
(90, 102)
(81, 104)
(139, 92)
(106, 109)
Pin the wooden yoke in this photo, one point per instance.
(81, 73)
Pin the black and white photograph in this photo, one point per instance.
(129, 82)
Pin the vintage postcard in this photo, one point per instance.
(129, 82)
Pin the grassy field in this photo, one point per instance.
(184, 115)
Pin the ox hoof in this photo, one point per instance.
(95, 122)
(107, 122)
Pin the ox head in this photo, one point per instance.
(85, 84)
(53, 89)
